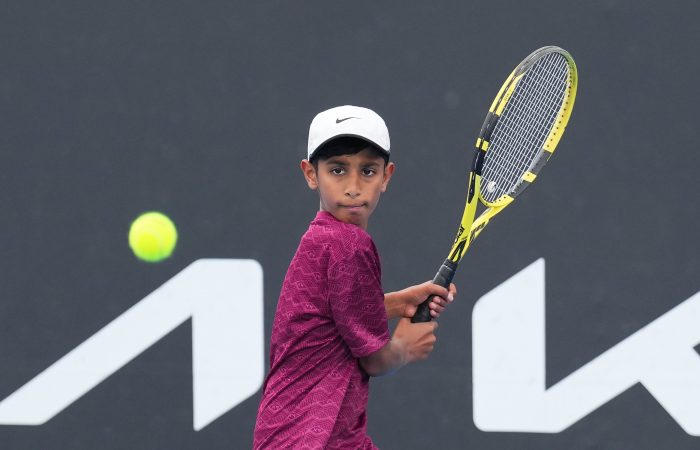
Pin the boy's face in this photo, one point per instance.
(349, 186)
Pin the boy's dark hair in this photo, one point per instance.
(346, 145)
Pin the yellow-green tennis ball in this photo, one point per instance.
(152, 236)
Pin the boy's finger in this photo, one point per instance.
(438, 302)
(436, 289)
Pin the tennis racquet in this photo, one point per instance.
(521, 130)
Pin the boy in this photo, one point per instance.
(330, 331)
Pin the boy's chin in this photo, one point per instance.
(351, 218)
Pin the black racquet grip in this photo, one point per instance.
(442, 278)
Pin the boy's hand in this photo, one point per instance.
(410, 342)
(404, 303)
(415, 339)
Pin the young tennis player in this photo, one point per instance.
(330, 332)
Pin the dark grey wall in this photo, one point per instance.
(201, 109)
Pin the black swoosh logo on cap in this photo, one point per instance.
(343, 120)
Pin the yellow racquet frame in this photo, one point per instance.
(470, 228)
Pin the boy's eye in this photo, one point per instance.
(368, 172)
(337, 171)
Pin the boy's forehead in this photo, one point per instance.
(365, 156)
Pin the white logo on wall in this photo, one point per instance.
(509, 363)
(224, 299)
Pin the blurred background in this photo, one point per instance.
(201, 110)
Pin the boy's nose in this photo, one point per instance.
(352, 189)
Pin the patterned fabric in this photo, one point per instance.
(330, 313)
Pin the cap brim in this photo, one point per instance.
(348, 135)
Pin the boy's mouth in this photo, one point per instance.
(354, 207)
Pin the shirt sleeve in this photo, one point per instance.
(357, 299)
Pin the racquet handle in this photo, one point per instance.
(442, 278)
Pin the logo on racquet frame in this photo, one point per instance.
(460, 248)
(459, 234)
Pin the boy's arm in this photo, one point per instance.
(404, 303)
(410, 342)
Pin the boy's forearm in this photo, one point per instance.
(393, 305)
(388, 359)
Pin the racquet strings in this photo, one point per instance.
(524, 125)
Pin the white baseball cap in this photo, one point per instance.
(348, 121)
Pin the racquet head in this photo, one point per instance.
(524, 124)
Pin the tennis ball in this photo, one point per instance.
(152, 237)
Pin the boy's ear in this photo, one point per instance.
(388, 172)
(309, 174)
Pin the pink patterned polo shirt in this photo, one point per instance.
(330, 313)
